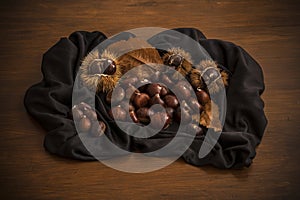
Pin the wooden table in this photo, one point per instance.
(268, 30)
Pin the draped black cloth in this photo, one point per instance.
(50, 101)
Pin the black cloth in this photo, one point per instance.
(50, 101)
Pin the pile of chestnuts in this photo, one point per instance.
(141, 107)
(86, 119)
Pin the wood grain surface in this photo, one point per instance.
(268, 30)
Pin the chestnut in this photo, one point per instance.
(175, 60)
(120, 94)
(144, 84)
(118, 113)
(195, 105)
(127, 106)
(133, 117)
(166, 80)
(129, 81)
(183, 91)
(92, 115)
(110, 67)
(143, 114)
(83, 105)
(184, 105)
(156, 100)
(77, 113)
(171, 101)
(153, 89)
(210, 75)
(185, 118)
(84, 124)
(202, 96)
(164, 91)
(141, 100)
(98, 129)
(196, 128)
(170, 112)
(108, 97)
(97, 66)
(158, 119)
(130, 92)
(155, 76)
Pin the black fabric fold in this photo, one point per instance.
(50, 101)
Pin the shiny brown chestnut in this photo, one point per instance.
(175, 60)
(108, 97)
(164, 91)
(127, 106)
(118, 113)
(196, 128)
(160, 119)
(98, 129)
(166, 80)
(83, 105)
(144, 84)
(141, 100)
(129, 81)
(183, 91)
(133, 117)
(156, 100)
(77, 113)
(202, 96)
(195, 105)
(156, 76)
(185, 118)
(153, 89)
(130, 92)
(143, 114)
(91, 114)
(84, 124)
(110, 67)
(120, 94)
(171, 101)
(185, 83)
(170, 112)
(185, 106)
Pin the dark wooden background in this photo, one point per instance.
(268, 30)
